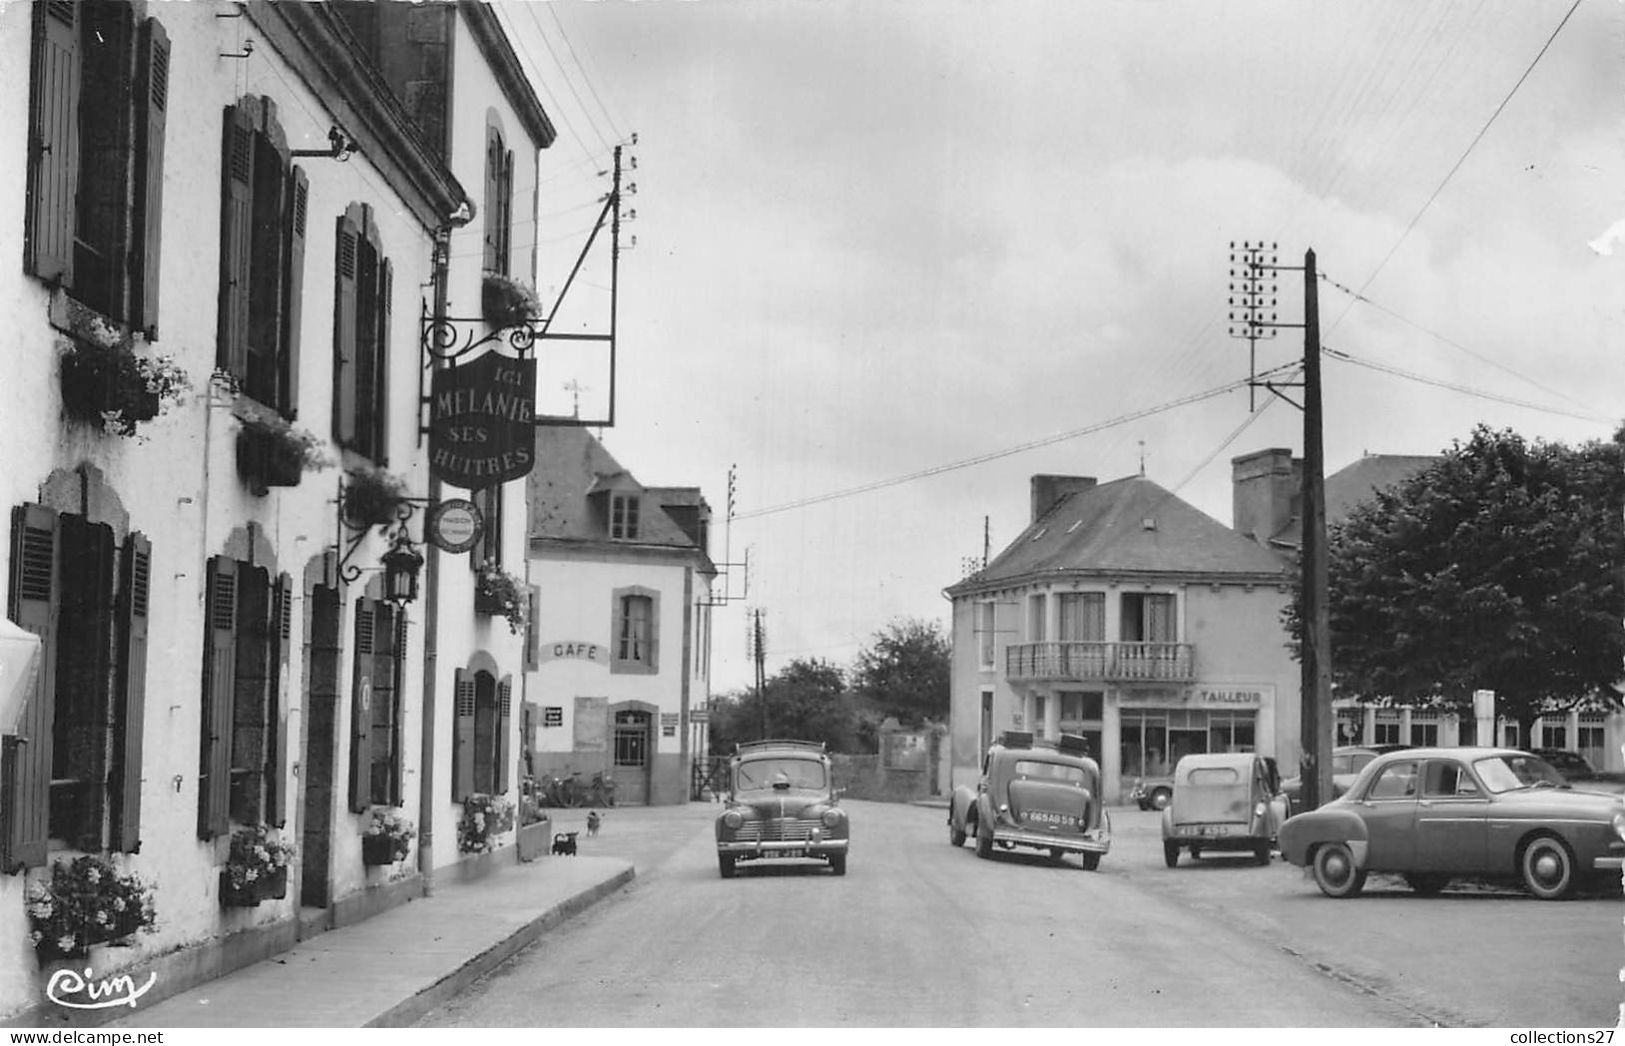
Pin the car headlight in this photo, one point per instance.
(831, 818)
(1619, 825)
(733, 820)
(1258, 809)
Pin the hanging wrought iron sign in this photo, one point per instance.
(482, 421)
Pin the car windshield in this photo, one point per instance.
(1213, 776)
(1032, 769)
(1503, 773)
(760, 774)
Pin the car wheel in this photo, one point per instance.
(1261, 853)
(1057, 855)
(837, 863)
(1091, 862)
(1426, 885)
(956, 834)
(1547, 867)
(984, 843)
(1170, 854)
(1335, 871)
(1160, 798)
(725, 865)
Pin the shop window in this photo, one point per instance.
(243, 744)
(1424, 732)
(86, 597)
(262, 257)
(98, 107)
(1386, 731)
(361, 322)
(1553, 734)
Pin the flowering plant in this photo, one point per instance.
(499, 592)
(390, 828)
(85, 902)
(255, 858)
(507, 302)
(285, 438)
(372, 496)
(484, 818)
(103, 380)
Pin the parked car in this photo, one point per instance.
(1034, 794)
(1431, 814)
(1152, 793)
(781, 803)
(1347, 762)
(1223, 802)
(1578, 772)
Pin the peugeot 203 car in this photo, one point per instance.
(1223, 802)
(1432, 814)
(781, 803)
(1034, 794)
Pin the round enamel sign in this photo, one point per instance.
(455, 525)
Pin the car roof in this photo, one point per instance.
(779, 749)
(1439, 752)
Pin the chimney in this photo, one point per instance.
(1047, 490)
(1265, 488)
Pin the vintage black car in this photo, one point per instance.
(1034, 794)
(781, 803)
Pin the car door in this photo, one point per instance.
(1388, 808)
(1451, 820)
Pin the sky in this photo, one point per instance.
(894, 257)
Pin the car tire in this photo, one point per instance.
(1335, 871)
(1424, 884)
(1170, 854)
(1547, 868)
(1057, 855)
(1091, 862)
(1261, 853)
(956, 834)
(984, 843)
(1160, 798)
(837, 863)
(725, 865)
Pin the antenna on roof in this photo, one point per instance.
(1142, 459)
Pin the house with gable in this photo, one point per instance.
(620, 640)
(1126, 615)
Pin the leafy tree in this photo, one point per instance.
(806, 700)
(1496, 568)
(904, 672)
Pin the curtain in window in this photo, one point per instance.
(1083, 616)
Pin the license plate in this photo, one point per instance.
(1046, 817)
(1215, 829)
(782, 853)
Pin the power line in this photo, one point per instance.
(553, 10)
(581, 107)
(1030, 445)
(1453, 387)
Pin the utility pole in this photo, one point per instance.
(758, 653)
(1251, 302)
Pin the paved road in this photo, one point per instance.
(918, 934)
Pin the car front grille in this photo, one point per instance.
(779, 829)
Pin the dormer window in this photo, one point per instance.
(623, 517)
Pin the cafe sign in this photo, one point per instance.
(482, 421)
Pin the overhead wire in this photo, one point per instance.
(1344, 357)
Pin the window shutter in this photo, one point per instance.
(533, 653)
(130, 717)
(344, 346)
(493, 200)
(380, 382)
(152, 104)
(53, 142)
(276, 800)
(236, 239)
(462, 737)
(386, 700)
(219, 682)
(361, 708)
(293, 280)
(25, 804)
(504, 732)
(505, 231)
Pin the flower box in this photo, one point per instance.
(110, 385)
(272, 887)
(377, 850)
(484, 818)
(500, 594)
(388, 837)
(86, 902)
(372, 497)
(265, 461)
(256, 868)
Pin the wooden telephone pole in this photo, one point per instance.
(1251, 304)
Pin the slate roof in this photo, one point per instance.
(1102, 529)
(1353, 484)
(570, 465)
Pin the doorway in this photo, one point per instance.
(320, 762)
(632, 758)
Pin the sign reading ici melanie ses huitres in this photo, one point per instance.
(482, 421)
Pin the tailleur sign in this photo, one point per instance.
(482, 421)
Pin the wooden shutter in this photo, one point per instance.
(236, 239)
(361, 708)
(533, 643)
(493, 201)
(462, 737)
(278, 787)
(219, 683)
(505, 230)
(130, 716)
(386, 704)
(293, 280)
(504, 732)
(152, 105)
(380, 381)
(344, 346)
(35, 585)
(53, 142)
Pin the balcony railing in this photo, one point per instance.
(1105, 662)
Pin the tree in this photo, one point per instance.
(1496, 568)
(807, 700)
(904, 672)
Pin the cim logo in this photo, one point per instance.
(85, 992)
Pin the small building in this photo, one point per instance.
(1124, 614)
(621, 634)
